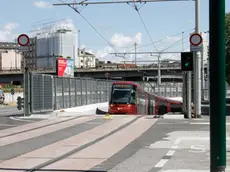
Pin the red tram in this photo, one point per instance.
(129, 98)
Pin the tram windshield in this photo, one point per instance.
(122, 94)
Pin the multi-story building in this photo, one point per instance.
(86, 59)
(58, 43)
(10, 57)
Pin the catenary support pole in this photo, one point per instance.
(217, 86)
(159, 72)
(197, 71)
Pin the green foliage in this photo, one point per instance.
(227, 25)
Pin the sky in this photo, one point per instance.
(120, 25)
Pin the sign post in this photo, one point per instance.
(217, 86)
(195, 42)
(23, 41)
(107, 75)
(195, 47)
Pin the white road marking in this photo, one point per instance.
(204, 123)
(197, 149)
(170, 153)
(161, 163)
(18, 119)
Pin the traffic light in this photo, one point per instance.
(20, 103)
(187, 61)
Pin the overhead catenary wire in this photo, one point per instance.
(174, 43)
(77, 11)
(135, 7)
(145, 45)
(162, 51)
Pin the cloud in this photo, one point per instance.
(65, 24)
(121, 41)
(42, 4)
(104, 53)
(6, 33)
(173, 39)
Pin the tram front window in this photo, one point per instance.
(121, 96)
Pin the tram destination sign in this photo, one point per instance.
(122, 86)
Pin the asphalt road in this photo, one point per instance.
(9, 117)
(169, 144)
(10, 111)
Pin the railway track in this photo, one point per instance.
(41, 167)
(46, 125)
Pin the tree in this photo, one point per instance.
(227, 24)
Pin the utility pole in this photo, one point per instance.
(217, 86)
(135, 53)
(159, 73)
(182, 41)
(197, 69)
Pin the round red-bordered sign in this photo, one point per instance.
(23, 40)
(107, 75)
(195, 39)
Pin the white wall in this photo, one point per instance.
(12, 99)
(87, 61)
(11, 59)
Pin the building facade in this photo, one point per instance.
(86, 59)
(50, 46)
(10, 57)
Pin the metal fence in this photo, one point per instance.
(72, 92)
(41, 93)
(49, 93)
(165, 90)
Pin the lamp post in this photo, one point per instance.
(217, 86)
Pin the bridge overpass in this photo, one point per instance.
(6, 76)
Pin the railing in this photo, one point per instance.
(52, 70)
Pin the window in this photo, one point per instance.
(121, 95)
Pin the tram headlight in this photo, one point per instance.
(129, 105)
(111, 105)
